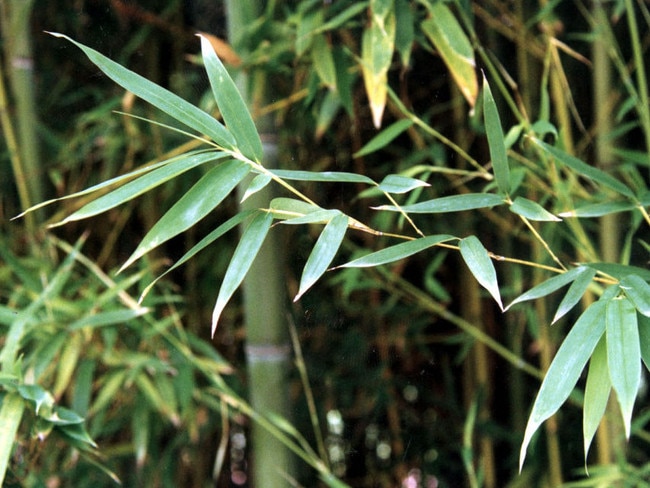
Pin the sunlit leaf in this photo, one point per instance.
(495, 139)
(574, 293)
(638, 291)
(565, 369)
(231, 104)
(248, 247)
(597, 392)
(454, 203)
(549, 286)
(446, 34)
(397, 252)
(160, 98)
(194, 205)
(323, 252)
(532, 210)
(480, 264)
(623, 355)
(385, 137)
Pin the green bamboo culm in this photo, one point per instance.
(264, 291)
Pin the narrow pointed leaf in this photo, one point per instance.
(532, 210)
(397, 252)
(597, 392)
(323, 252)
(575, 292)
(195, 204)
(142, 185)
(288, 208)
(323, 176)
(11, 412)
(623, 355)
(317, 217)
(549, 286)
(496, 140)
(638, 291)
(567, 365)
(323, 61)
(599, 209)
(248, 247)
(168, 102)
(619, 271)
(400, 184)
(231, 104)
(480, 264)
(384, 138)
(644, 339)
(454, 203)
(258, 183)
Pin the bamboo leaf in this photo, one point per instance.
(168, 102)
(644, 339)
(385, 137)
(479, 263)
(638, 291)
(317, 217)
(323, 61)
(110, 317)
(563, 374)
(549, 286)
(142, 185)
(599, 209)
(496, 140)
(323, 252)
(231, 105)
(195, 204)
(400, 184)
(11, 412)
(454, 203)
(532, 210)
(288, 208)
(597, 392)
(405, 32)
(397, 252)
(619, 271)
(575, 292)
(258, 183)
(248, 247)
(623, 355)
(446, 34)
(323, 176)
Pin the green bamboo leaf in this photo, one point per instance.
(479, 263)
(455, 49)
(316, 217)
(638, 291)
(258, 183)
(405, 32)
(549, 286)
(623, 355)
(323, 176)
(323, 61)
(231, 105)
(400, 184)
(11, 412)
(306, 26)
(575, 292)
(110, 317)
(583, 169)
(644, 339)
(384, 138)
(397, 252)
(454, 203)
(168, 102)
(619, 271)
(323, 252)
(339, 19)
(329, 108)
(39, 396)
(289, 208)
(563, 374)
(142, 185)
(599, 209)
(195, 204)
(532, 210)
(496, 140)
(597, 392)
(248, 247)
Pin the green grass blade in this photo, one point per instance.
(638, 291)
(597, 392)
(454, 203)
(565, 369)
(480, 264)
(231, 104)
(623, 355)
(164, 100)
(397, 252)
(195, 204)
(241, 261)
(11, 412)
(574, 293)
(323, 253)
(496, 140)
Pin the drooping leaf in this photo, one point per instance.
(231, 104)
(258, 183)
(323, 61)
(597, 392)
(11, 412)
(549, 286)
(532, 210)
(574, 293)
(306, 27)
(329, 108)
(323, 252)
(397, 252)
(480, 264)
(644, 339)
(404, 30)
(565, 369)
(638, 291)
(142, 185)
(168, 102)
(623, 355)
(496, 140)
(446, 34)
(195, 204)
(454, 203)
(384, 138)
(400, 184)
(248, 247)
(599, 209)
